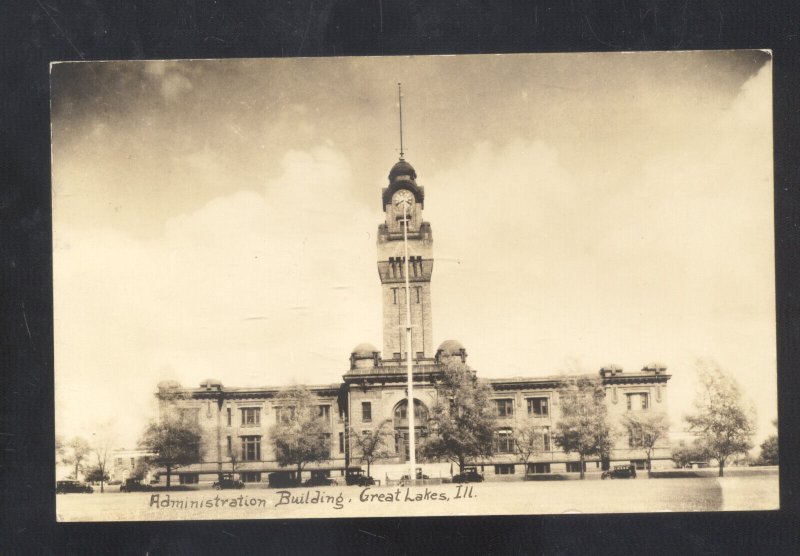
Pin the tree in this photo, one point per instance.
(769, 449)
(684, 456)
(529, 440)
(173, 440)
(95, 474)
(723, 424)
(371, 445)
(299, 436)
(583, 426)
(462, 420)
(77, 450)
(645, 429)
(101, 448)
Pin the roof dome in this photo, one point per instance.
(364, 350)
(402, 168)
(169, 385)
(450, 347)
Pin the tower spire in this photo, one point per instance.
(400, 100)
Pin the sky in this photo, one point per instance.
(218, 218)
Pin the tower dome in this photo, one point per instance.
(451, 348)
(402, 170)
(364, 356)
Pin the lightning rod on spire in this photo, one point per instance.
(400, 100)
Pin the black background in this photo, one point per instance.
(34, 33)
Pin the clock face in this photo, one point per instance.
(403, 199)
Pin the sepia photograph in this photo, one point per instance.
(252, 319)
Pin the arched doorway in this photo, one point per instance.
(400, 421)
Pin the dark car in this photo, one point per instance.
(227, 481)
(620, 472)
(67, 486)
(470, 475)
(320, 480)
(134, 485)
(358, 477)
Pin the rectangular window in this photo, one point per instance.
(638, 401)
(284, 414)
(504, 469)
(394, 296)
(504, 442)
(341, 442)
(538, 468)
(504, 408)
(366, 411)
(251, 416)
(250, 476)
(418, 289)
(230, 446)
(538, 407)
(546, 440)
(575, 467)
(251, 448)
(188, 478)
(325, 412)
(230, 417)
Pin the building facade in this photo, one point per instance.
(235, 422)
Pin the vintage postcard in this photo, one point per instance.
(564, 263)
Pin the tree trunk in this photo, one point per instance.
(583, 475)
(367, 468)
(721, 466)
(461, 463)
(299, 474)
(169, 473)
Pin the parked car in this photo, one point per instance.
(281, 479)
(69, 485)
(320, 480)
(134, 485)
(620, 472)
(470, 475)
(419, 475)
(357, 476)
(226, 481)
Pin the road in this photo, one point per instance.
(755, 492)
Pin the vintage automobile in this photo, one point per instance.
(620, 472)
(470, 475)
(134, 485)
(226, 481)
(320, 479)
(67, 486)
(357, 476)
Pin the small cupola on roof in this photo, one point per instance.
(403, 176)
(402, 171)
(364, 356)
(450, 349)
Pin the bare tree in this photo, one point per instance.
(372, 445)
(722, 421)
(101, 448)
(645, 429)
(77, 449)
(529, 441)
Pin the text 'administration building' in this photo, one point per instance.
(236, 421)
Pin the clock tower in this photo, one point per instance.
(402, 203)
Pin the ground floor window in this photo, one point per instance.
(188, 478)
(639, 463)
(250, 476)
(575, 466)
(538, 468)
(504, 469)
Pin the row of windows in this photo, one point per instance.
(504, 441)
(415, 298)
(251, 416)
(539, 407)
(251, 446)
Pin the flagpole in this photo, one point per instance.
(412, 451)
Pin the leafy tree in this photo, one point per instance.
(95, 474)
(77, 450)
(529, 441)
(724, 425)
(101, 448)
(645, 429)
(462, 420)
(299, 436)
(370, 446)
(583, 426)
(174, 441)
(683, 456)
(769, 449)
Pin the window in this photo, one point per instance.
(538, 407)
(188, 478)
(575, 467)
(504, 469)
(538, 468)
(637, 401)
(504, 441)
(418, 289)
(341, 442)
(230, 416)
(230, 446)
(284, 414)
(394, 296)
(366, 411)
(251, 416)
(546, 439)
(250, 476)
(251, 448)
(325, 412)
(326, 437)
(504, 408)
